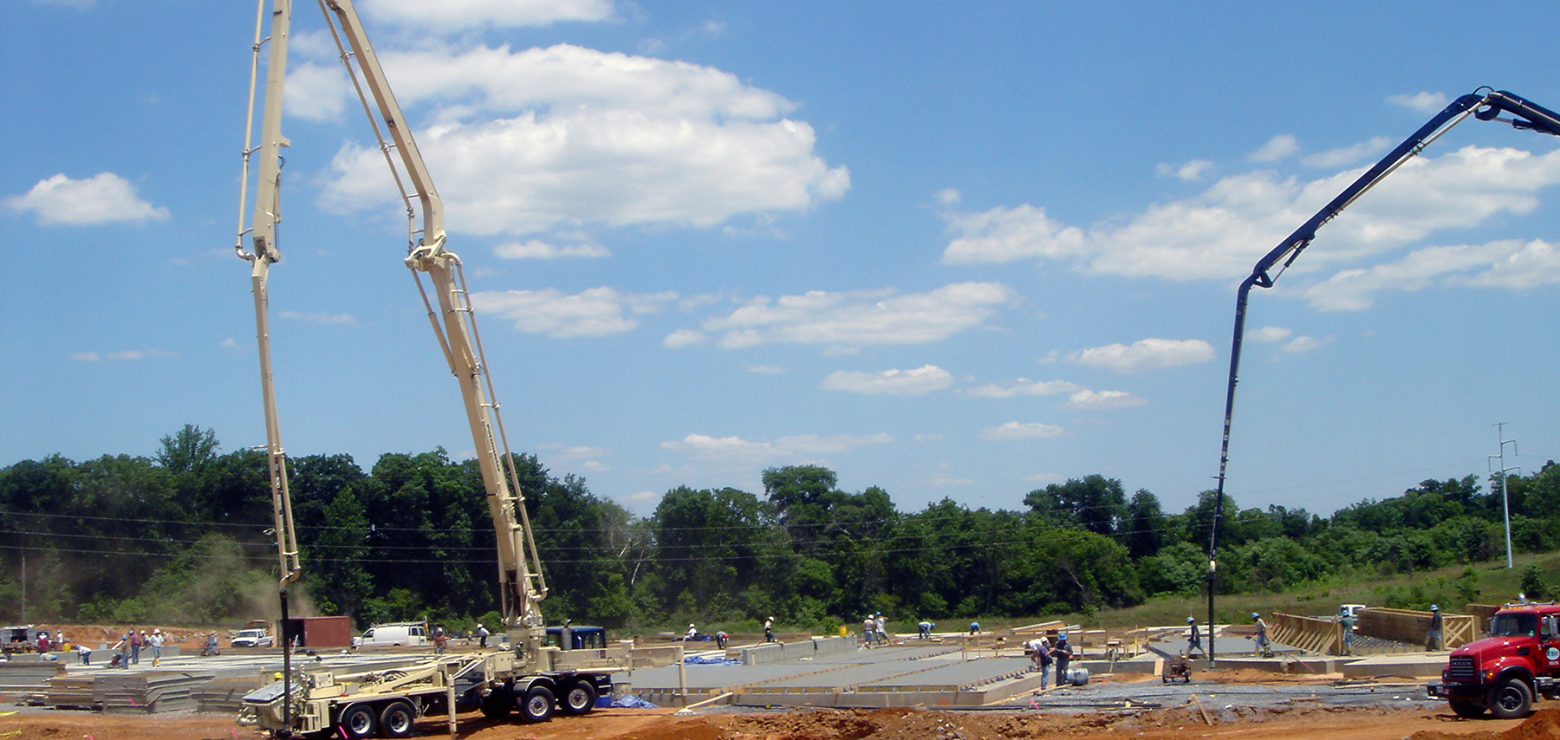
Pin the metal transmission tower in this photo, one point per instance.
(1505, 500)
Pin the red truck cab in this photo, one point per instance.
(1517, 661)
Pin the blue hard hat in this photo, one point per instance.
(1255, 615)
(1189, 620)
(1061, 635)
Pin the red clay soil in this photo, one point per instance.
(1181, 723)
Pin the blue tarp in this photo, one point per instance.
(696, 660)
(629, 701)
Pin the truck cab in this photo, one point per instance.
(1517, 661)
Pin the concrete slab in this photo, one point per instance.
(1423, 665)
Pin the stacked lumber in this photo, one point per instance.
(1404, 625)
(147, 693)
(28, 680)
(225, 695)
(69, 692)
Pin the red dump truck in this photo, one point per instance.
(1502, 674)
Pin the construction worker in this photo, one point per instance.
(868, 627)
(769, 630)
(1062, 653)
(1346, 623)
(1262, 637)
(1194, 640)
(1433, 636)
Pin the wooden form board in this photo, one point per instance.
(1311, 634)
(1406, 625)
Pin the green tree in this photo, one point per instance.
(1094, 503)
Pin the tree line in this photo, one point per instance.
(184, 536)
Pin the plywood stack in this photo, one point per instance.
(27, 680)
(225, 695)
(147, 693)
(70, 692)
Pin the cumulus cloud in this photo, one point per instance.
(1146, 354)
(1102, 400)
(523, 142)
(126, 354)
(1303, 344)
(1344, 156)
(1424, 102)
(454, 15)
(1509, 264)
(320, 318)
(917, 382)
(1023, 387)
(858, 318)
(1221, 232)
(101, 199)
(1015, 430)
(1279, 147)
(596, 312)
(537, 249)
(685, 338)
(1269, 334)
(1193, 170)
(738, 451)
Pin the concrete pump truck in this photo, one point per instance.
(530, 677)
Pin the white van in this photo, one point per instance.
(396, 634)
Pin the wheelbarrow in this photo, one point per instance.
(1177, 669)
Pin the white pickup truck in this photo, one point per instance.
(253, 638)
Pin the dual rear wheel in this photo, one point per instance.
(393, 720)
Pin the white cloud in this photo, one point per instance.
(1146, 354)
(948, 480)
(766, 369)
(537, 249)
(1279, 147)
(1221, 232)
(1102, 400)
(101, 199)
(917, 382)
(737, 452)
(1024, 387)
(1303, 344)
(126, 354)
(1424, 102)
(591, 313)
(1509, 264)
(1193, 170)
(1348, 155)
(454, 15)
(523, 142)
(74, 4)
(321, 318)
(858, 318)
(1007, 234)
(580, 452)
(1014, 430)
(1269, 334)
(948, 197)
(685, 338)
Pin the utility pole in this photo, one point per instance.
(24, 587)
(1500, 431)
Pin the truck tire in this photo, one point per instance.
(357, 721)
(1511, 699)
(497, 703)
(580, 698)
(538, 705)
(1467, 708)
(396, 719)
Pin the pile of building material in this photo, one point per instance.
(27, 680)
(69, 692)
(147, 693)
(226, 695)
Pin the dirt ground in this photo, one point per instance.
(1180, 723)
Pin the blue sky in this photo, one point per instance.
(952, 250)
